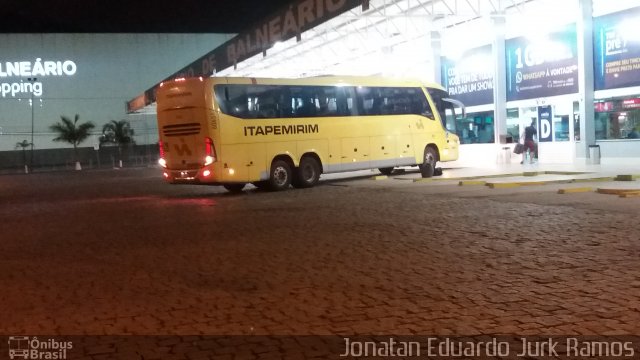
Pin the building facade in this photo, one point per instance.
(46, 76)
(571, 67)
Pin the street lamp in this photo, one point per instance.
(32, 81)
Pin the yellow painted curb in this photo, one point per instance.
(423, 179)
(624, 178)
(575, 190)
(472, 182)
(609, 178)
(502, 185)
(618, 191)
(380, 177)
(530, 183)
(630, 194)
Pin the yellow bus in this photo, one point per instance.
(274, 133)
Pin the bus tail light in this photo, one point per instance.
(210, 151)
(162, 161)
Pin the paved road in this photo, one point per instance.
(120, 252)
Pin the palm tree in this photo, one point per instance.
(24, 144)
(73, 133)
(119, 133)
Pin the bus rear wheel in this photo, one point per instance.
(307, 174)
(234, 188)
(280, 175)
(428, 166)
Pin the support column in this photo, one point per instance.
(584, 28)
(436, 53)
(499, 78)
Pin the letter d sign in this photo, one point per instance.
(545, 128)
(544, 123)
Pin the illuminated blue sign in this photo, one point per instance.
(544, 123)
(470, 78)
(542, 67)
(617, 50)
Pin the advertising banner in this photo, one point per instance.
(470, 78)
(616, 50)
(544, 123)
(542, 67)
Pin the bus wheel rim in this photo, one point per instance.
(308, 173)
(280, 175)
(429, 158)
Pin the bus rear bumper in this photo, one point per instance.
(203, 176)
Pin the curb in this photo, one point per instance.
(472, 182)
(575, 190)
(608, 178)
(624, 178)
(503, 185)
(630, 194)
(618, 191)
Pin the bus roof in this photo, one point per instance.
(326, 80)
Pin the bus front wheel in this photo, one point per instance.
(280, 176)
(428, 166)
(234, 188)
(307, 174)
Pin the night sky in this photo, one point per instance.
(133, 16)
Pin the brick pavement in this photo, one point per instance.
(348, 258)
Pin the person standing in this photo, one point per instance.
(530, 133)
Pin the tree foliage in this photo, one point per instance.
(70, 131)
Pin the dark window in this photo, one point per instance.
(250, 101)
(393, 101)
(272, 101)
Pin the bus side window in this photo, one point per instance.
(350, 93)
(284, 102)
(327, 99)
(345, 101)
(305, 101)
